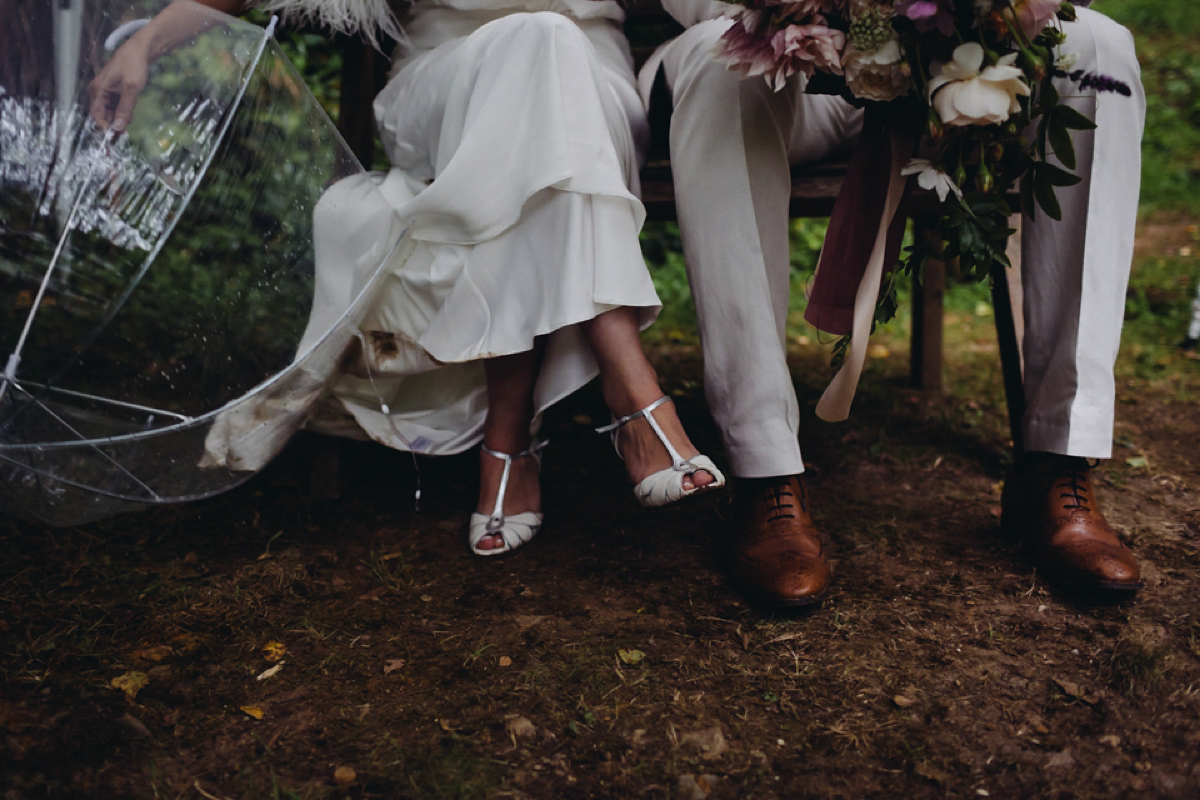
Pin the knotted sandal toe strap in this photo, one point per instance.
(666, 485)
(514, 529)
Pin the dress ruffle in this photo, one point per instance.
(514, 149)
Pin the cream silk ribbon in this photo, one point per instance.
(834, 405)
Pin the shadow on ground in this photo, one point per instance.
(610, 658)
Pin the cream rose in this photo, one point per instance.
(962, 94)
(876, 76)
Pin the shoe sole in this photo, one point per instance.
(1095, 587)
(782, 602)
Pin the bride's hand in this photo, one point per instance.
(114, 91)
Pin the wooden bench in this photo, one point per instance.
(814, 188)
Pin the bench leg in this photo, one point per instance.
(361, 69)
(325, 478)
(925, 351)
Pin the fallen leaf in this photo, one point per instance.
(154, 653)
(630, 656)
(710, 742)
(161, 672)
(1112, 740)
(253, 711)
(445, 725)
(15, 720)
(520, 728)
(692, 787)
(1138, 462)
(902, 701)
(505, 661)
(927, 770)
(186, 643)
(130, 683)
(135, 724)
(391, 665)
(527, 621)
(274, 651)
(271, 672)
(344, 776)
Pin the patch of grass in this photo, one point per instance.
(392, 570)
(1135, 665)
(588, 671)
(1157, 312)
(448, 769)
(1167, 36)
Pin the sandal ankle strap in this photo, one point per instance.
(678, 462)
(645, 412)
(532, 450)
(496, 520)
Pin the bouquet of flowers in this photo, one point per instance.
(969, 84)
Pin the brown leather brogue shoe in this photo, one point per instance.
(1050, 503)
(776, 556)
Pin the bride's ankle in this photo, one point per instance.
(624, 400)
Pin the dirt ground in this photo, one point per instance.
(610, 658)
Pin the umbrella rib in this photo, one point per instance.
(14, 359)
(78, 433)
(109, 401)
(155, 498)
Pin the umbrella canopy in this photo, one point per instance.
(159, 321)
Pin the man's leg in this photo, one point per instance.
(730, 143)
(1075, 273)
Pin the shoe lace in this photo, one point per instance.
(1075, 482)
(781, 501)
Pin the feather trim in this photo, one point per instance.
(366, 17)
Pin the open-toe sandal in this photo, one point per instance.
(666, 485)
(514, 529)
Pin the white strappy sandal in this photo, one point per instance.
(514, 529)
(666, 485)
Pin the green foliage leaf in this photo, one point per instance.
(1072, 118)
(1056, 176)
(1060, 141)
(1043, 190)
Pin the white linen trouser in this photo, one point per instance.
(731, 144)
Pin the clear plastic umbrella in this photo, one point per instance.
(164, 327)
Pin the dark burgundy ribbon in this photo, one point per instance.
(853, 226)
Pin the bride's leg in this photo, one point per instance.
(510, 382)
(630, 384)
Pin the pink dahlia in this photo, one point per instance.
(929, 14)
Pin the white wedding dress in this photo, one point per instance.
(515, 132)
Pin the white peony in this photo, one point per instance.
(930, 177)
(962, 94)
(876, 76)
